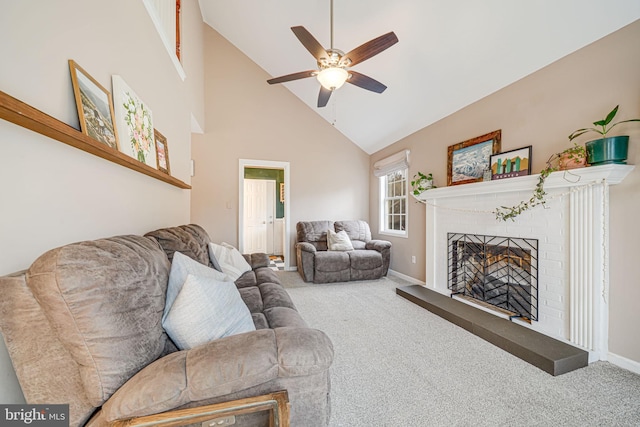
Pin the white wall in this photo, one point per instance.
(248, 119)
(53, 194)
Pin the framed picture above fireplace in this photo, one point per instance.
(511, 163)
(468, 160)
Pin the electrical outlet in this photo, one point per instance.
(226, 421)
(413, 259)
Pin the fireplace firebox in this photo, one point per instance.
(500, 271)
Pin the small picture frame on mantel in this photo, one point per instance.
(511, 163)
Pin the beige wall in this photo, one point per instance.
(248, 119)
(541, 110)
(54, 194)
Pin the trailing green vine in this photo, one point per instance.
(504, 213)
(421, 183)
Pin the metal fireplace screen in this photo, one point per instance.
(500, 271)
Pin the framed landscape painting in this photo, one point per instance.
(511, 163)
(134, 122)
(467, 160)
(95, 109)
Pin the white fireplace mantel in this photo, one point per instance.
(572, 230)
(612, 174)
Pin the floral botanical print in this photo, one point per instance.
(139, 126)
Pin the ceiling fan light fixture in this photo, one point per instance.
(332, 78)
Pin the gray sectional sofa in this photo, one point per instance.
(368, 260)
(83, 327)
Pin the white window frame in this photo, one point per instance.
(383, 205)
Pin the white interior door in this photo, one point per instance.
(259, 212)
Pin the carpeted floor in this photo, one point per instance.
(397, 364)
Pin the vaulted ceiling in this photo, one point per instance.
(450, 53)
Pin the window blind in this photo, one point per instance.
(392, 163)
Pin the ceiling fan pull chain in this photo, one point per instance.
(333, 122)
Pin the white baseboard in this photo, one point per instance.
(623, 362)
(405, 277)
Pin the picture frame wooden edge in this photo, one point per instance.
(73, 68)
(496, 135)
(163, 140)
(529, 149)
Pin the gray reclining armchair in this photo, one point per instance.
(368, 260)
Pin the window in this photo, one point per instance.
(393, 195)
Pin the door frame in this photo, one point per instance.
(266, 164)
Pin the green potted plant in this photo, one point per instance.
(608, 149)
(421, 183)
(573, 157)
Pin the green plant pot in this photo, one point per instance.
(611, 150)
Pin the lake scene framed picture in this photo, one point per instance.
(95, 109)
(468, 159)
(511, 163)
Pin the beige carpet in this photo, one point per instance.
(397, 364)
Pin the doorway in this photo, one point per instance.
(263, 214)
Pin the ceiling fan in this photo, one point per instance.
(333, 64)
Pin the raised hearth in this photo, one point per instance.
(552, 356)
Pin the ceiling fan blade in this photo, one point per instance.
(323, 97)
(294, 76)
(310, 42)
(365, 82)
(369, 49)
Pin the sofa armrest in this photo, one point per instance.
(378, 245)
(306, 260)
(221, 367)
(306, 247)
(384, 247)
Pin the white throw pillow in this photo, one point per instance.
(230, 259)
(339, 241)
(181, 267)
(205, 310)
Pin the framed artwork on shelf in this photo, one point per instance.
(468, 160)
(134, 122)
(95, 108)
(511, 163)
(162, 152)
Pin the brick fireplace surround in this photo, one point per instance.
(572, 230)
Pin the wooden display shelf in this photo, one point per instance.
(16, 111)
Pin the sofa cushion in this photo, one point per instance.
(231, 261)
(338, 241)
(332, 261)
(181, 267)
(190, 240)
(52, 378)
(314, 232)
(206, 309)
(365, 259)
(355, 229)
(104, 300)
